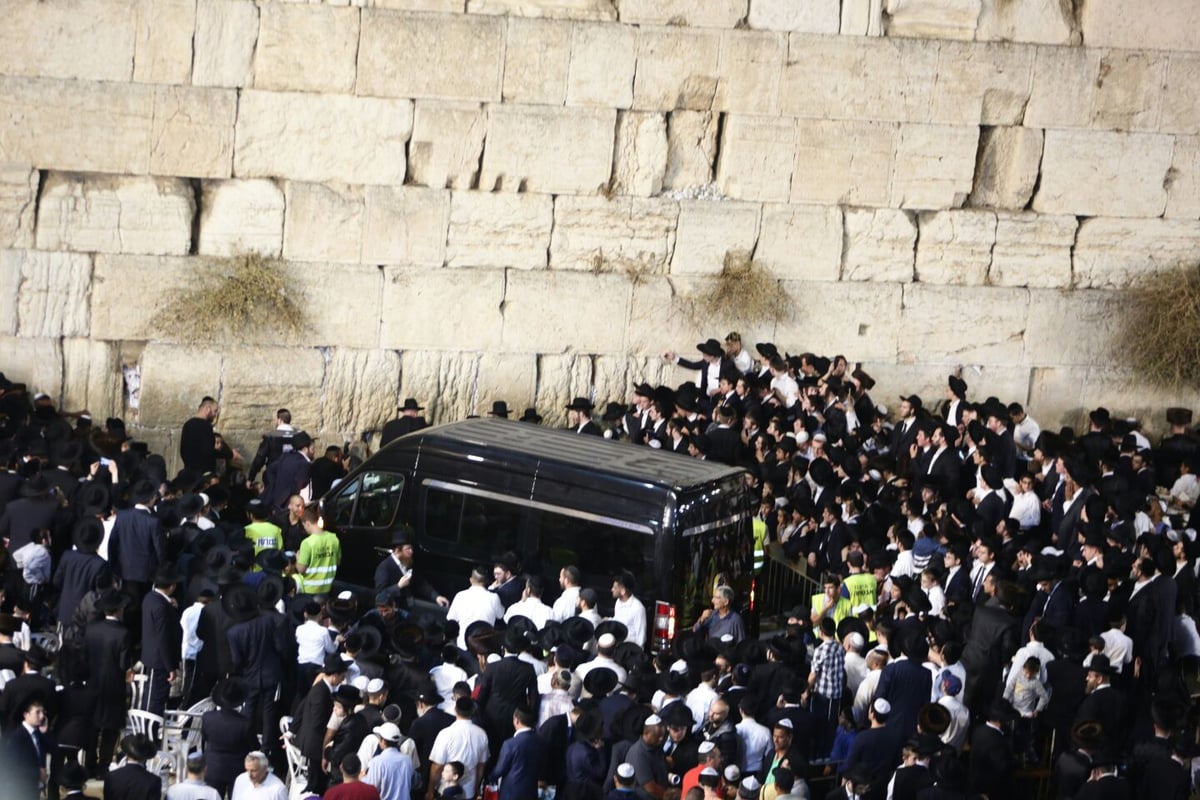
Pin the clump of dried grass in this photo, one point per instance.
(1158, 335)
(744, 290)
(249, 294)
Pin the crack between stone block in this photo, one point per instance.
(987, 275)
(192, 44)
(1075, 241)
(916, 220)
(716, 159)
(197, 192)
(845, 247)
(37, 202)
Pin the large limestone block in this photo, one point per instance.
(624, 235)
(955, 246)
(1008, 382)
(52, 298)
(994, 333)
(661, 317)
(1033, 250)
(1064, 87)
(756, 158)
(323, 222)
(241, 217)
(603, 59)
(1183, 189)
(935, 166)
(640, 160)
(322, 137)
(18, 204)
(1040, 21)
(708, 231)
(807, 16)
(676, 68)
(537, 54)
(306, 48)
(129, 291)
(192, 132)
(442, 6)
(255, 381)
(691, 148)
(405, 225)
(879, 245)
(10, 287)
(92, 377)
(553, 311)
(499, 230)
(709, 14)
(1143, 25)
(448, 379)
(544, 149)
(1094, 173)
(844, 162)
(615, 376)
(933, 19)
(750, 67)
(1007, 168)
(176, 377)
(1076, 327)
(107, 214)
(226, 32)
(982, 83)
(862, 18)
(360, 390)
(450, 309)
(1129, 91)
(163, 50)
(867, 322)
(1181, 94)
(446, 144)
(37, 363)
(344, 301)
(801, 242)
(80, 39)
(1116, 252)
(1065, 395)
(594, 10)
(449, 56)
(561, 379)
(511, 377)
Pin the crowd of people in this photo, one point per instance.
(997, 604)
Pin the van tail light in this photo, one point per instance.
(753, 592)
(664, 623)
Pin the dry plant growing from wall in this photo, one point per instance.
(1159, 329)
(247, 295)
(744, 289)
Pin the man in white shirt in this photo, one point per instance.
(313, 643)
(473, 604)
(756, 737)
(628, 609)
(258, 782)
(462, 741)
(876, 660)
(530, 605)
(856, 665)
(567, 603)
(960, 718)
(188, 620)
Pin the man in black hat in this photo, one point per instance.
(228, 735)
(290, 474)
(956, 399)
(499, 410)
(991, 764)
(637, 416)
(308, 725)
(410, 420)
(1176, 447)
(133, 781)
(197, 441)
(506, 685)
(579, 417)
(162, 638)
(1104, 703)
(136, 546)
(256, 646)
(109, 650)
(712, 361)
(395, 575)
(1150, 618)
(34, 510)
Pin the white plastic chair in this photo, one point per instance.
(297, 778)
(139, 689)
(141, 721)
(181, 733)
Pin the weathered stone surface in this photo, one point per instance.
(1065, 395)
(807, 16)
(676, 68)
(1146, 24)
(405, 225)
(933, 19)
(982, 83)
(52, 298)
(10, 286)
(801, 242)
(1094, 173)
(1007, 168)
(555, 9)
(879, 245)
(707, 231)
(867, 323)
(436, 309)
(1183, 182)
(448, 56)
(37, 363)
(1077, 327)
(999, 318)
(844, 162)
(562, 378)
(91, 40)
(511, 377)
(255, 380)
(603, 59)
(101, 213)
(935, 165)
(756, 158)
(226, 31)
(306, 48)
(349, 296)
(360, 390)
(175, 377)
(1033, 250)
(448, 381)
(123, 307)
(91, 377)
(322, 138)
(1041, 21)
(191, 133)
(536, 56)
(623, 235)
(1064, 87)
(1181, 94)
(691, 148)
(1129, 91)
(499, 230)
(545, 312)
(442, 6)
(613, 377)
(862, 18)
(749, 67)
(640, 160)
(18, 204)
(710, 14)
(446, 144)
(1008, 382)
(241, 217)
(323, 222)
(662, 316)
(1116, 252)
(551, 150)
(163, 50)
(955, 246)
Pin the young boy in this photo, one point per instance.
(1029, 697)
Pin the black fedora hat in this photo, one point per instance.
(110, 602)
(229, 693)
(578, 632)
(551, 635)
(190, 505)
(410, 404)
(334, 664)
(600, 682)
(271, 561)
(348, 695)
(581, 404)
(240, 602)
(72, 776)
(677, 715)
(139, 747)
(499, 409)
(530, 415)
(710, 347)
(167, 573)
(372, 640)
(618, 629)
(644, 389)
(269, 591)
(958, 386)
(36, 486)
(93, 500)
(89, 534)
(613, 411)
(1100, 664)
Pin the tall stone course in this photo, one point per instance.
(526, 200)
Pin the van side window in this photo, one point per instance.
(339, 508)
(378, 499)
(600, 551)
(470, 526)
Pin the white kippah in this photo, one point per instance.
(882, 706)
(375, 686)
(710, 771)
(705, 747)
(606, 641)
(679, 666)
(751, 784)
(345, 596)
(653, 719)
(732, 773)
(856, 640)
(625, 771)
(784, 723)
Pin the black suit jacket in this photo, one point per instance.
(991, 762)
(425, 728)
(76, 576)
(228, 736)
(400, 426)
(136, 545)
(503, 686)
(23, 764)
(725, 445)
(132, 782)
(161, 635)
(591, 428)
(1106, 706)
(310, 720)
(109, 655)
(25, 515)
(519, 766)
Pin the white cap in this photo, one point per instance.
(653, 719)
(679, 666)
(625, 770)
(855, 639)
(41, 396)
(375, 686)
(882, 706)
(204, 498)
(606, 641)
(858, 610)
(710, 770)
(493, 658)
(388, 732)
(732, 773)
(801, 437)
(345, 596)
(705, 747)
(820, 436)
(784, 723)
(360, 683)
(751, 784)
(874, 474)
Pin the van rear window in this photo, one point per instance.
(369, 501)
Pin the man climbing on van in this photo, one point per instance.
(319, 555)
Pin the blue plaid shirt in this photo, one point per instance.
(829, 664)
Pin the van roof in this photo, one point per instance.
(557, 446)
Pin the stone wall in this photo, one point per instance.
(515, 199)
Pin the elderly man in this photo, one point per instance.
(258, 782)
(721, 620)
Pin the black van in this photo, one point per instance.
(474, 489)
